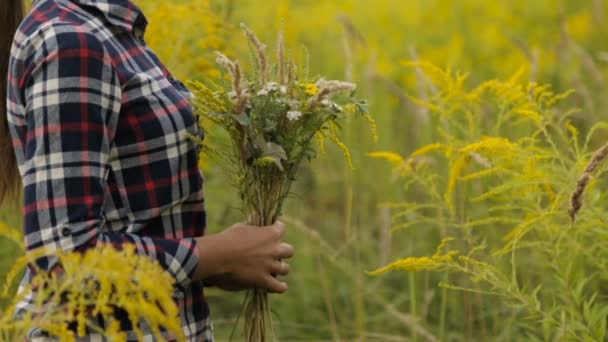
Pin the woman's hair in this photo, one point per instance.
(11, 14)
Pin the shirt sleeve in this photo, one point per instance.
(72, 97)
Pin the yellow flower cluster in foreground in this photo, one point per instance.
(96, 282)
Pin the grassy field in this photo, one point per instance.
(9, 251)
(477, 149)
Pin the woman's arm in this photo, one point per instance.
(72, 98)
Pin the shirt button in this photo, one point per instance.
(65, 231)
(139, 33)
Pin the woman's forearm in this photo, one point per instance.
(212, 259)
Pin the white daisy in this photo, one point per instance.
(268, 88)
(294, 115)
(271, 86)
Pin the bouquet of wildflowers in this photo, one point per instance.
(272, 117)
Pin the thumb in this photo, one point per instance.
(280, 228)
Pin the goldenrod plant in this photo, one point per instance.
(513, 176)
(69, 302)
(184, 34)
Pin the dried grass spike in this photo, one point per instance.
(292, 73)
(576, 201)
(225, 62)
(238, 81)
(328, 88)
(281, 58)
(261, 51)
(240, 89)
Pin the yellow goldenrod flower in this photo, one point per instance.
(491, 145)
(97, 282)
(391, 157)
(572, 129)
(456, 168)
(414, 264)
(311, 89)
(410, 264)
(264, 161)
(426, 149)
(529, 114)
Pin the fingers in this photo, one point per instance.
(284, 251)
(274, 285)
(279, 267)
(258, 258)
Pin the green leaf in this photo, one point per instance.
(362, 107)
(270, 126)
(259, 142)
(273, 149)
(242, 119)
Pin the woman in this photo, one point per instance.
(96, 128)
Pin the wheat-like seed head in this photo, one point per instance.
(225, 62)
(261, 51)
(576, 200)
(238, 81)
(328, 88)
(281, 59)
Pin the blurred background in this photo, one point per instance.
(336, 218)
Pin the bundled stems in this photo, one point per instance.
(257, 311)
(268, 193)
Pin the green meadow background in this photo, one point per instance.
(336, 219)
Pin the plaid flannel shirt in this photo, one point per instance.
(100, 130)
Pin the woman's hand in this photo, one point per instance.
(243, 257)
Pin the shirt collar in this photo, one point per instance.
(121, 13)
